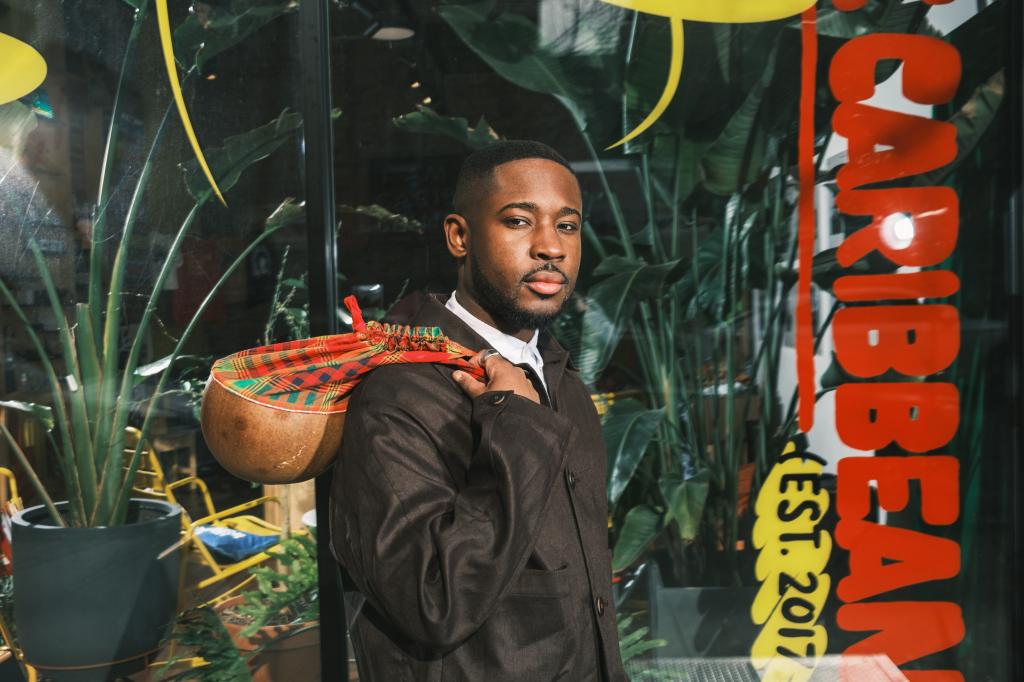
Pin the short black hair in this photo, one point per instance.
(477, 170)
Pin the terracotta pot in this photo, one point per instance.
(286, 660)
(266, 444)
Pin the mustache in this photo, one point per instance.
(549, 267)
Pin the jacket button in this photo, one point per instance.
(600, 606)
(497, 398)
(570, 477)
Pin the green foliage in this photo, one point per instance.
(639, 529)
(628, 428)
(229, 161)
(635, 643)
(427, 121)
(289, 595)
(202, 632)
(92, 394)
(210, 29)
(385, 219)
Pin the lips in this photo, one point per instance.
(545, 283)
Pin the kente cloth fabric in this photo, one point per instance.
(319, 374)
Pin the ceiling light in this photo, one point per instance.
(390, 31)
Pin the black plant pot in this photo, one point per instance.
(91, 604)
(701, 622)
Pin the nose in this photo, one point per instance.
(547, 243)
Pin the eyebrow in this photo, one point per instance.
(530, 206)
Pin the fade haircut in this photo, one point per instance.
(477, 173)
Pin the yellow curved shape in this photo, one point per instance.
(22, 69)
(715, 11)
(675, 71)
(164, 24)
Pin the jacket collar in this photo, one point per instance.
(428, 310)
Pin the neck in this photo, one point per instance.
(468, 301)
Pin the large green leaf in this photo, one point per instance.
(638, 530)
(427, 121)
(511, 45)
(610, 305)
(43, 413)
(628, 428)
(685, 499)
(238, 153)
(209, 30)
(735, 158)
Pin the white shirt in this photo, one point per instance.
(511, 348)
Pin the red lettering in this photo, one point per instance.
(886, 558)
(934, 213)
(915, 340)
(931, 67)
(901, 285)
(917, 416)
(904, 631)
(918, 145)
(938, 476)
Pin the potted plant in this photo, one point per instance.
(91, 593)
(267, 634)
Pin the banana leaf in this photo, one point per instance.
(640, 527)
(210, 29)
(685, 499)
(628, 428)
(238, 152)
(610, 305)
(427, 121)
(511, 45)
(42, 413)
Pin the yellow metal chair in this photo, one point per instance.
(151, 482)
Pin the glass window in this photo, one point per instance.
(152, 222)
(772, 199)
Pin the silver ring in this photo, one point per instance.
(487, 353)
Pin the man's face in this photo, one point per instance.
(523, 242)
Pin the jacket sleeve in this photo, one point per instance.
(433, 559)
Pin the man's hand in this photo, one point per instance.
(502, 375)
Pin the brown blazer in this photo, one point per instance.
(476, 529)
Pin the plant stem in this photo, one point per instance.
(32, 477)
(98, 232)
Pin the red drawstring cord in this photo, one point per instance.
(357, 315)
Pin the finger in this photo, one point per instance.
(469, 384)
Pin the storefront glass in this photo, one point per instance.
(798, 310)
(118, 251)
(779, 229)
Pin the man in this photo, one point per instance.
(471, 515)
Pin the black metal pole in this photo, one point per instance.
(315, 62)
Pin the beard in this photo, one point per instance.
(502, 305)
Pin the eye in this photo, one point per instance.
(569, 227)
(514, 221)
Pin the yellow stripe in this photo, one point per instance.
(172, 75)
(675, 70)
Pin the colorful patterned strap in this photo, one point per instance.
(319, 374)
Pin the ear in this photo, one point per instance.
(456, 234)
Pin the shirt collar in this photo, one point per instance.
(513, 349)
